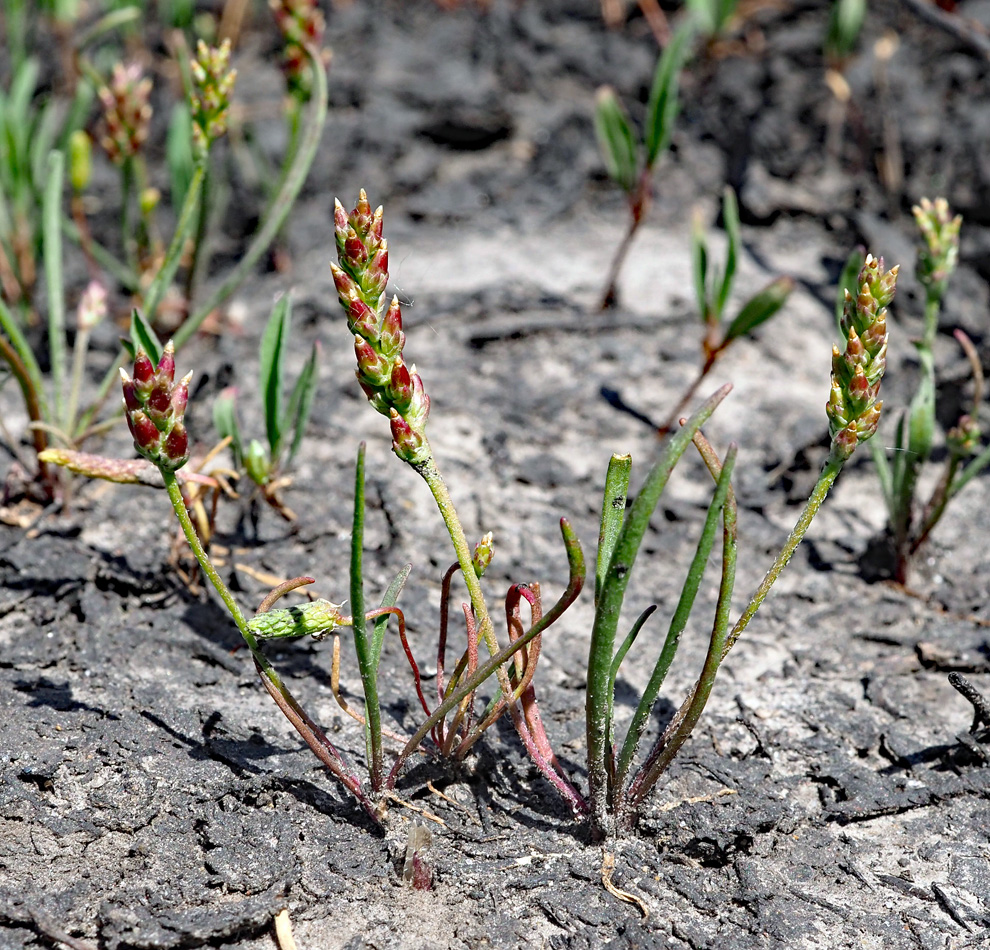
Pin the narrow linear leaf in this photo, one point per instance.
(144, 336)
(225, 422)
(272, 358)
(613, 513)
(301, 401)
(759, 308)
(381, 623)
(179, 153)
(678, 622)
(52, 242)
(616, 139)
(699, 266)
(730, 218)
(663, 106)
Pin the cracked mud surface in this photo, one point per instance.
(151, 794)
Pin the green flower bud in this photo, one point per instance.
(317, 619)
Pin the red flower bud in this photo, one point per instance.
(144, 369)
(177, 447)
(143, 430)
(166, 365)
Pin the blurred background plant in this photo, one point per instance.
(285, 420)
(630, 157)
(713, 288)
(910, 523)
(109, 55)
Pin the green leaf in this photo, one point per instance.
(179, 153)
(225, 422)
(144, 336)
(730, 218)
(921, 414)
(844, 26)
(678, 622)
(847, 281)
(257, 463)
(759, 308)
(615, 139)
(301, 401)
(662, 106)
(52, 243)
(381, 623)
(699, 267)
(272, 367)
(613, 513)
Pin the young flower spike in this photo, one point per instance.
(939, 250)
(213, 82)
(155, 405)
(126, 112)
(302, 24)
(853, 410)
(361, 274)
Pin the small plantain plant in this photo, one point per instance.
(713, 286)
(910, 523)
(285, 420)
(630, 159)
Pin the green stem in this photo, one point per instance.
(30, 394)
(52, 210)
(11, 327)
(79, 350)
(173, 256)
(279, 208)
(362, 644)
(273, 682)
(431, 475)
(175, 496)
(825, 480)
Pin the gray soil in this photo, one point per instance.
(832, 797)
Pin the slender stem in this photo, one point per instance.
(362, 644)
(173, 256)
(30, 395)
(175, 496)
(431, 475)
(52, 211)
(676, 412)
(610, 293)
(79, 349)
(279, 692)
(27, 359)
(825, 480)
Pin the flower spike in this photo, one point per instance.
(394, 388)
(155, 407)
(852, 408)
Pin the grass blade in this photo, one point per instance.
(730, 218)
(613, 513)
(52, 242)
(301, 402)
(616, 139)
(143, 336)
(272, 359)
(663, 105)
(678, 622)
